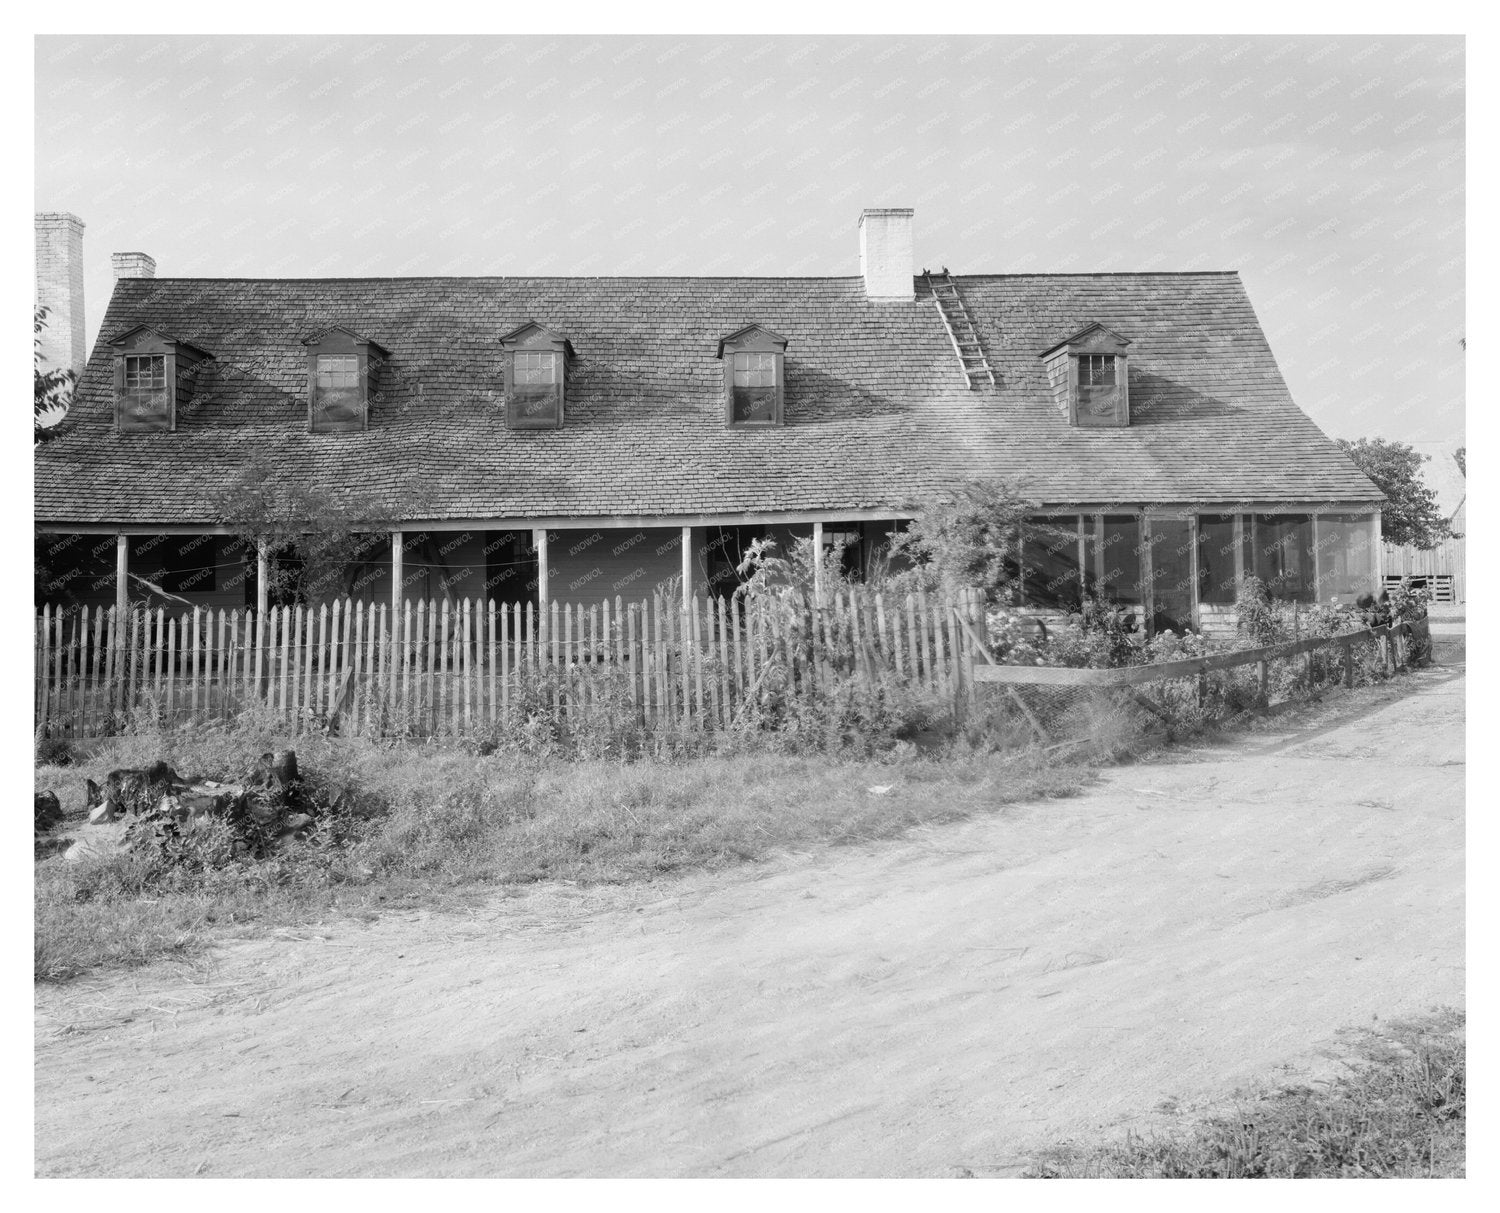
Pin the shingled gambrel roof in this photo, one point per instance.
(878, 412)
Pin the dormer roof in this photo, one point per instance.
(319, 334)
(120, 338)
(751, 332)
(532, 329)
(1098, 337)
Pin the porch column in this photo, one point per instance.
(262, 579)
(122, 573)
(398, 548)
(687, 568)
(543, 589)
(1317, 548)
(1379, 547)
(817, 564)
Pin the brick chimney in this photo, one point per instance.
(885, 252)
(133, 265)
(59, 288)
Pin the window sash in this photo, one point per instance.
(145, 373)
(1096, 370)
(337, 371)
(754, 370)
(534, 368)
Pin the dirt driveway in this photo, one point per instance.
(910, 1008)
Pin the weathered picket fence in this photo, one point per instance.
(459, 667)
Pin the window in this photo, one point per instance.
(536, 373)
(534, 387)
(145, 400)
(754, 389)
(337, 397)
(152, 370)
(754, 362)
(1089, 379)
(341, 367)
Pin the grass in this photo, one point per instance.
(454, 824)
(1398, 1111)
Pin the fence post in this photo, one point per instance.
(1349, 664)
(1263, 674)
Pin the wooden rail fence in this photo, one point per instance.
(461, 667)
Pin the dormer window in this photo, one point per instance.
(146, 385)
(754, 377)
(1087, 373)
(341, 364)
(536, 372)
(151, 373)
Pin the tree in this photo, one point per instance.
(972, 538)
(54, 388)
(318, 541)
(1411, 514)
(1458, 457)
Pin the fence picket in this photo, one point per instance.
(725, 669)
(322, 684)
(276, 655)
(226, 663)
(468, 667)
(64, 691)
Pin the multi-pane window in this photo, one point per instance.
(534, 384)
(754, 387)
(338, 402)
(146, 403)
(1099, 397)
(337, 371)
(1096, 370)
(145, 373)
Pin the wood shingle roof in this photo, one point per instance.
(878, 411)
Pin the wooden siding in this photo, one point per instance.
(1446, 560)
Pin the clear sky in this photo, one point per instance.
(1329, 171)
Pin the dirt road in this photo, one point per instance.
(910, 1008)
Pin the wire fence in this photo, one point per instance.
(1108, 708)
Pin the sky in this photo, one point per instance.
(1329, 171)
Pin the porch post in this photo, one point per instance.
(687, 568)
(818, 564)
(398, 549)
(543, 589)
(1317, 548)
(1239, 553)
(122, 572)
(262, 579)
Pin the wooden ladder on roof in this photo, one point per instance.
(961, 330)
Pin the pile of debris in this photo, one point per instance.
(155, 809)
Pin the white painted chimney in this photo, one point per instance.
(885, 252)
(59, 288)
(133, 265)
